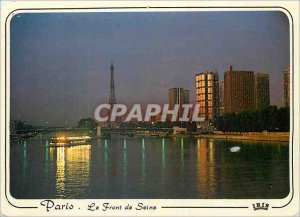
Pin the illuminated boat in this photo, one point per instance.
(154, 134)
(69, 141)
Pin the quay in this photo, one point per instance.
(263, 136)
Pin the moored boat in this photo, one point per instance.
(65, 141)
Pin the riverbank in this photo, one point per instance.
(269, 136)
(251, 136)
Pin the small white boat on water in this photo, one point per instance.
(235, 149)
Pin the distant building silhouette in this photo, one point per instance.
(286, 74)
(239, 90)
(178, 96)
(207, 95)
(221, 96)
(112, 97)
(262, 90)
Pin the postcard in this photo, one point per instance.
(150, 108)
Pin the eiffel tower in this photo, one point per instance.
(112, 97)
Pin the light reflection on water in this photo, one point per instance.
(124, 164)
(60, 171)
(150, 168)
(72, 169)
(206, 166)
(143, 166)
(24, 158)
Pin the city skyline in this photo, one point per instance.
(68, 79)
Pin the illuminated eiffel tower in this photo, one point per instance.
(112, 97)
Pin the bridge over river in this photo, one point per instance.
(98, 130)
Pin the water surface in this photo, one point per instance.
(150, 168)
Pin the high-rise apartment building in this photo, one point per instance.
(239, 90)
(178, 96)
(286, 73)
(262, 90)
(221, 97)
(207, 95)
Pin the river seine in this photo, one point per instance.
(150, 168)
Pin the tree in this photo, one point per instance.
(87, 123)
(268, 118)
(283, 120)
(191, 126)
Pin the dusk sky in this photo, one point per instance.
(60, 62)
